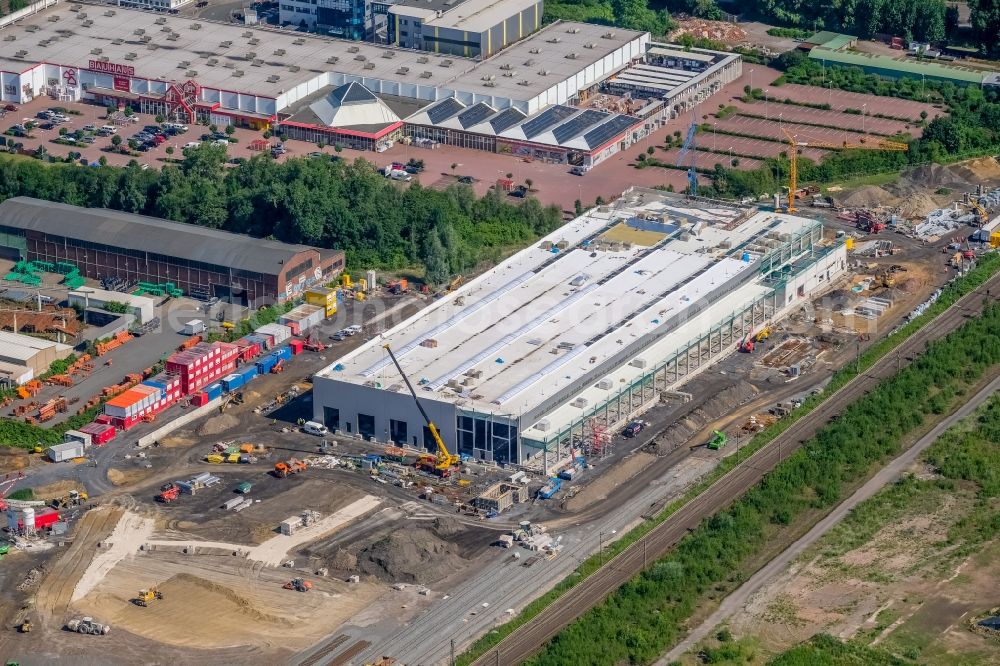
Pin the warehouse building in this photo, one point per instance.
(23, 357)
(194, 70)
(468, 28)
(562, 343)
(204, 263)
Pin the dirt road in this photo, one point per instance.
(734, 602)
(530, 637)
(56, 590)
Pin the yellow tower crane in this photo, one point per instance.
(866, 143)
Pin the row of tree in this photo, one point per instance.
(647, 614)
(330, 204)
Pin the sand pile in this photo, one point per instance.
(870, 196)
(984, 169)
(918, 204)
(343, 560)
(218, 424)
(410, 556)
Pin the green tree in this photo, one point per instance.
(435, 259)
(951, 21)
(116, 140)
(985, 19)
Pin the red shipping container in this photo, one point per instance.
(103, 419)
(100, 434)
(296, 346)
(200, 398)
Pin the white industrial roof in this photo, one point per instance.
(470, 15)
(25, 347)
(104, 296)
(268, 62)
(350, 105)
(540, 321)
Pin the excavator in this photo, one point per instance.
(146, 596)
(73, 498)
(445, 461)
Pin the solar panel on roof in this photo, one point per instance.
(607, 131)
(444, 110)
(576, 126)
(506, 119)
(546, 119)
(475, 114)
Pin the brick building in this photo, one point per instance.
(203, 262)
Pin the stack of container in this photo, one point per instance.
(324, 298)
(249, 349)
(202, 364)
(128, 408)
(262, 341)
(171, 387)
(303, 318)
(265, 363)
(278, 333)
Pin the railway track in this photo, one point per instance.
(530, 637)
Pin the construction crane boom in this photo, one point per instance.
(689, 148)
(445, 458)
(867, 143)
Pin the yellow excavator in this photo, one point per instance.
(443, 463)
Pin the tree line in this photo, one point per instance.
(321, 202)
(647, 614)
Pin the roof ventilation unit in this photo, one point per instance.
(510, 74)
(534, 51)
(131, 56)
(590, 45)
(447, 62)
(606, 384)
(53, 18)
(369, 65)
(9, 38)
(253, 41)
(581, 402)
(360, 58)
(332, 60)
(299, 42)
(257, 63)
(238, 73)
(87, 23)
(118, 41)
(160, 21)
(279, 52)
(225, 45)
(251, 55)
(294, 68)
(573, 31)
(542, 425)
(403, 70)
(97, 51)
(183, 64)
(139, 32)
(425, 75)
(32, 28)
(191, 73)
(423, 60)
(248, 34)
(110, 12)
(638, 362)
(388, 54)
(196, 26)
(609, 35)
(273, 78)
(212, 62)
(353, 49)
(571, 56)
(554, 40)
(543, 72)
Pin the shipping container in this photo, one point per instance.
(213, 391)
(199, 399)
(265, 363)
(265, 340)
(100, 433)
(323, 297)
(66, 451)
(194, 327)
(232, 382)
(248, 372)
(44, 520)
(77, 436)
(284, 353)
(295, 346)
(279, 332)
(230, 503)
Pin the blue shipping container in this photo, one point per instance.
(155, 384)
(213, 391)
(284, 353)
(265, 363)
(247, 372)
(232, 382)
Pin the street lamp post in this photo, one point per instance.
(714, 125)
(864, 112)
(766, 115)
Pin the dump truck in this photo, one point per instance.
(87, 625)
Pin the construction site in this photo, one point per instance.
(441, 474)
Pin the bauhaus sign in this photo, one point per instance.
(111, 68)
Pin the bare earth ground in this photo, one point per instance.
(904, 588)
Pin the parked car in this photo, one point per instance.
(633, 429)
(10, 107)
(192, 144)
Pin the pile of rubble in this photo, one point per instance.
(942, 221)
(719, 31)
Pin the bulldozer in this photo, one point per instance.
(168, 493)
(289, 467)
(87, 625)
(73, 498)
(298, 584)
(146, 596)
(25, 626)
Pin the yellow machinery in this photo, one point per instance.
(764, 333)
(445, 460)
(982, 216)
(146, 596)
(793, 154)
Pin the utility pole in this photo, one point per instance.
(453, 652)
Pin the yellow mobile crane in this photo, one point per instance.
(795, 144)
(445, 460)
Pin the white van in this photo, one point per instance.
(108, 129)
(314, 428)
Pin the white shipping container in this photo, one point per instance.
(232, 503)
(194, 327)
(67, 451)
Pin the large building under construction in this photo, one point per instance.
(567, 340)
